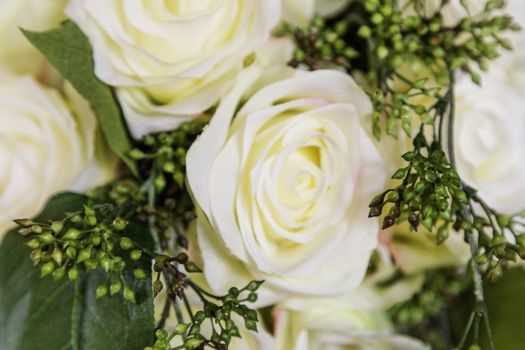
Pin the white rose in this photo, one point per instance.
(452, 11)
(171, 60)
(354, 321)
(490, 142)
(516, 8)
(16, 53)
(510, 66)
(102, 165)
(43, 147)
(301, 12)
(285, 186)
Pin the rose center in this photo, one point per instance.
(185, 8)
(300, 177)
(304, 181)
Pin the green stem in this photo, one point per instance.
(488, 211)
(451, 115)
(149, 186)
(201, 292)
(481, 307)
(174, 302)
(165, 314)
(465, 334)
(178, 312)
(188, 306)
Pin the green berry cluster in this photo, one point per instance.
(177, 279)
(219, 315)
(430, 194)
(83, 241)
(322, 45)
(500, 238)
(397, 107)
(438, 288)
(421, 315)
(164, 154)
(168, 207)
(397, 35)
(217, 310)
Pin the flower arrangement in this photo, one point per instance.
(262, 174)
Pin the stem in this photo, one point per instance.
(178, 312)
(450, 131)
(151, 203)
(488, 211)
(465, 334)
(478, 282)
(445, 329)
(201, 292)
(489, 331)
(480, 310)
(165, 314)
(188, 306)
(172, 298)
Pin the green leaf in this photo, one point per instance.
(41, 314)
(69, 51)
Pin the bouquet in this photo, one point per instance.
(262, 174)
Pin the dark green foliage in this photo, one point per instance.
(38, 313)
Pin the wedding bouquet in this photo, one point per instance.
(262, 174)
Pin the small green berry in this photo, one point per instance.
(57, 226)
(57, 256)
(84, 254)
(58, 274)
(72, 234)
(91, 220)
(106, 264)
(161, 334)
(33, 244)
(135, 254)
(46, 238)
(101, 291)
(129, 295)
(71, 252)
(126, 243)
(73, 273)
(140, 274)
(46, 269)
(119, 224)
(115, 287)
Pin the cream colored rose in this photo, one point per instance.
(490, 127)
(452, 11)
(301, 12)
(284, 185)
(16, 53)
(510, 66)
(171, 60)
(490, 142)
(43, 147)
(354, 321)
(102, 165)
